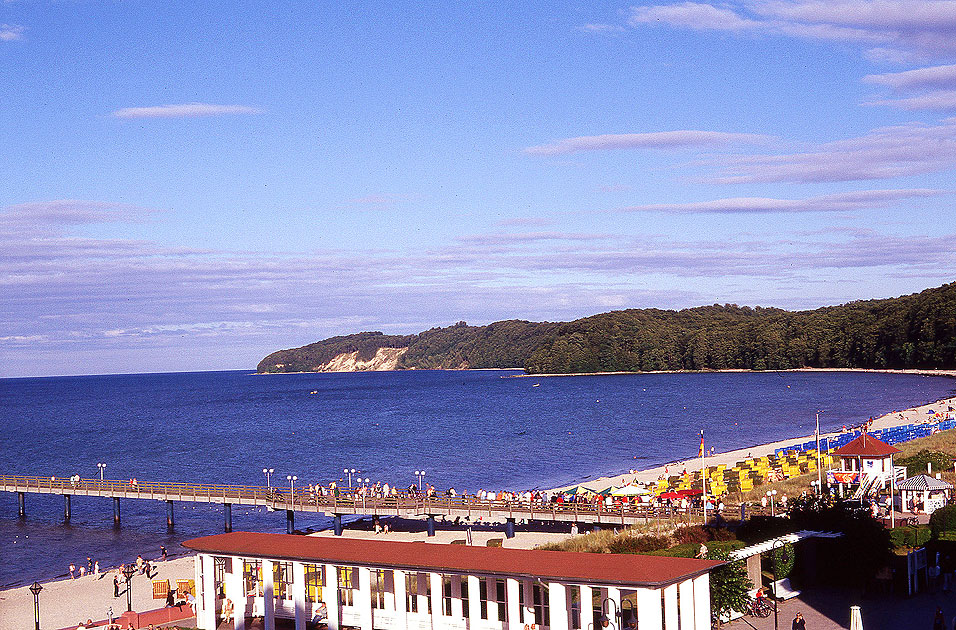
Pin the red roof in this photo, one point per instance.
(603, 568)
(866, 446)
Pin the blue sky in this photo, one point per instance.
(193, 187)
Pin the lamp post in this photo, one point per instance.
(606, 613)
(35, 589)
(782, 545)
(292, 479)
(129, 571)
(268, 473)
(102, 467)
(770, 495)
(350, 472)
(421, 476)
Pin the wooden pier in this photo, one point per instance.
(347, 503)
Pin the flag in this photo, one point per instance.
(701, 454)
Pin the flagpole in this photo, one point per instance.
(703, 476)
(819, 469)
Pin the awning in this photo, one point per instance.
(920, 483)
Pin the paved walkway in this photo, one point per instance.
(829, 609)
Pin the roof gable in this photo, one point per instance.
(866, 446)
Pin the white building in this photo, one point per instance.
(385, 585)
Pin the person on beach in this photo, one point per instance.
(72, 570)
(170, 598)
(162, 552)
(115, 586)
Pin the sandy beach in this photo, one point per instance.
(67, 602)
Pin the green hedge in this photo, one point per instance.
(911, 536)
(943, 520)
(690, 550)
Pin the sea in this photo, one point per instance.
(469, 430)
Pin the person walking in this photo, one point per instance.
(72, 571)
(115, 586)
(799, 623)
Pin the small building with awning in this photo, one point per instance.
(865, 462)
(923, 492)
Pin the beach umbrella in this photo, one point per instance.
(930, 412)
(627, 491)
(669, 495)
(856, 618)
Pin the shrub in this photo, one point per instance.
(638, 544)
(943, 520)
(910, 536)
(916, 464)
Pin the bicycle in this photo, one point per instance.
(760, 607)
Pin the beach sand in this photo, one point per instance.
(730, 458)
(65, 603)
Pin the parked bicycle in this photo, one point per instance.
(760, 607)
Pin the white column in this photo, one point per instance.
(330, 593)
(686, 592)
(671, 616)
(558, 606)
(528, 602)
(268, 595)
(474, 602)
(401, 602)
(208, 595)
(649, 612)
(364, 602)
(298, 594)
(702, 600)
(587, 607)
(234, 591)
(438, 593)
(457, 609)
(197, 575)
(514, 605)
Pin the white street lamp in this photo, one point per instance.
(268, 473)
(102, 467)
(292, 479)
(350, 472)
(421, 475)
(771, 494)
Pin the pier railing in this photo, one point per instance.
(353, 501)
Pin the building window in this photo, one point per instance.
(412, 581)
(282, 580)
(541, 612)
(446, 595)
(314, 581)
(252, 577)
(219, 573)
(348, 582)
(377, 578)
(492, 591)
(463, 581)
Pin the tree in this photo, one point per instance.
(728, 586)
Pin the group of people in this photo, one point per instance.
(92, 567)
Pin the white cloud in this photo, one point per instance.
(654, 140)
(941, 100)
(11, 32)
(886, 152)
(185, 110)
(839, 202)
(935, 77)
(894, 28)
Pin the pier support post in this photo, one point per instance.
(430, 525)
(289, 521)
(21, 505)
(169, 516)
(743, 512)
(116, 512)
(227, 510)
(337, 524)
(510, 528)
(66, 508)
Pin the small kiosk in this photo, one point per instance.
(924, 493)
(865, 462)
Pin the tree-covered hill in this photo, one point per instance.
(913, 331)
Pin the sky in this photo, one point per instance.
(191, 186)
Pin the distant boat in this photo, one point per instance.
(536, 385)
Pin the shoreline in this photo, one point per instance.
(946, 373)
(910, 415)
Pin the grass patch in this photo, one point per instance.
(690, 550)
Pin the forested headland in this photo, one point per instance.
(912, 331)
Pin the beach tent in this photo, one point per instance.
(669, 495)
(627, 491)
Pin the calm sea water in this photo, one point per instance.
(469, 430)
